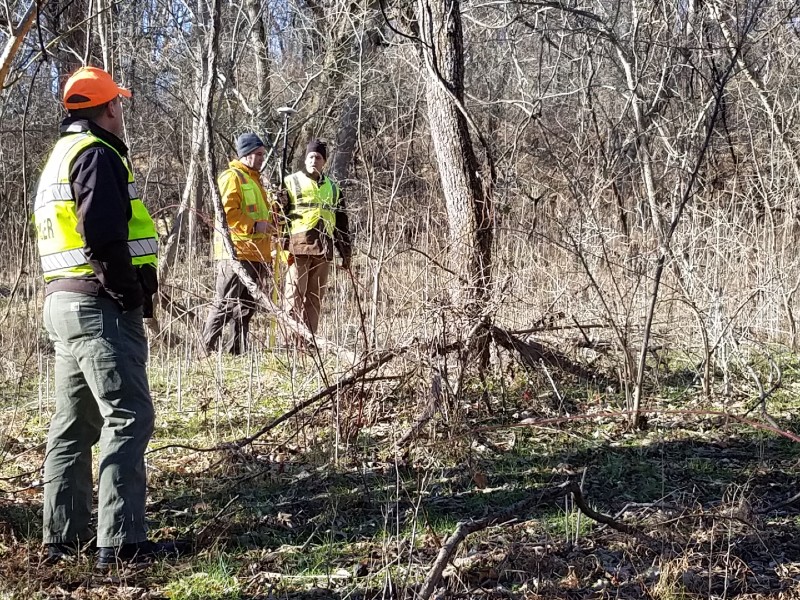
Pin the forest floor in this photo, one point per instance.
(327, 506)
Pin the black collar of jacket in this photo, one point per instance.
(72, 125)
(320, 182)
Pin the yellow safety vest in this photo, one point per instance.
(254, 205)
(309, 203)
(56, 217)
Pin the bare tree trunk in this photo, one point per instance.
(102, 19)
(194, 185)
(194, 182)
(65, 22)
(353, 42)
(205, 115)
(346, 138)
(467, 197)
(364, 49)
(259, 40)
(15, 38)
(771, 107)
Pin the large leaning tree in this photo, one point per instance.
(467, 190)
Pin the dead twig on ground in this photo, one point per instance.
(434, 401)
(552, 421)
(201, 535)
(777, 505)
(511, 514)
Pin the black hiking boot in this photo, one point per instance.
(138, 555)
(58, 552)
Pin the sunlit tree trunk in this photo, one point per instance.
(467, 196)
(259, 41)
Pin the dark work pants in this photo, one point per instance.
(102, 396)
(233, 307)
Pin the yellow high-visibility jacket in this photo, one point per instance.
(245, 202)
(312, 215)
(56, 218)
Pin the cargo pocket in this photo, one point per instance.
(107, 378)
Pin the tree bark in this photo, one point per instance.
(259, 40)
(346, 138)
(467, 194)
(364, 48)
(204, 80)
(17, 35)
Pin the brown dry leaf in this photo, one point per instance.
(570, 580)
(480, 480)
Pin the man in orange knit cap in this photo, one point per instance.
(98, 249)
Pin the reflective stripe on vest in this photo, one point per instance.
(77, 257)
(55, 215)
(142, 247)
(63, 260)
(63, 191)
(253, 204)
(309, 203)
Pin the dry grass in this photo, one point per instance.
(326, 502)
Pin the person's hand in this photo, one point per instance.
(346, 263)
(148, 306)
(152, 325)
(263, 227)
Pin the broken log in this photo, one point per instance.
(531, 353)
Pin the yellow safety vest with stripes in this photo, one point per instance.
(55, 215)
(254, 205)
(310, 202)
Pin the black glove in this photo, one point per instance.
(148, 278)
(147, 306)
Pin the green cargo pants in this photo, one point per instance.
(102, 395)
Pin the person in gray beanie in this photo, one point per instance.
(247, 143)
(252, 215)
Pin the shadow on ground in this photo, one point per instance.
(320, 533)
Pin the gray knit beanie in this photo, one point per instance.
(247, 143)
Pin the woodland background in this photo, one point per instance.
(576, 229)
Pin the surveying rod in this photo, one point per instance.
(280, 253)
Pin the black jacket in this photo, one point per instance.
(100, 187)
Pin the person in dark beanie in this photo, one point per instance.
(251, 213)
(317, 222)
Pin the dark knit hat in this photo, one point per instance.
(317, 146)
(247, 143)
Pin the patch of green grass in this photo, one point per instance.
(567, 524)
(440, 523)
(212, 581)
(633, 472)
(319, 558)
(702, 466)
